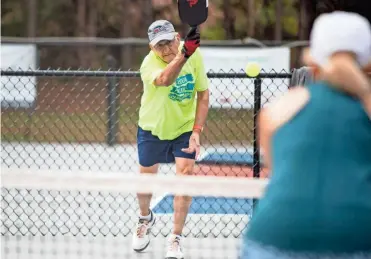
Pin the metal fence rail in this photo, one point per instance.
(86, 120)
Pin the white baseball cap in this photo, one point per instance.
(160, 30)
(340, 31)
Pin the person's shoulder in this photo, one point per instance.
(198, 53)
(293, 97)
(149, 60)
(285, 107)
(196, 59)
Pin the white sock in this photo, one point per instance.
(148, 217)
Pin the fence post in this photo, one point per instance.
(112, 104)
(257, 106)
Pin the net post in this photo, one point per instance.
(112, 104)
(257, 106)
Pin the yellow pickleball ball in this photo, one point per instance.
(252, 69)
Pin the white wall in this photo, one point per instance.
(239, 93)
(18, 91)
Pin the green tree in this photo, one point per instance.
(228, 19)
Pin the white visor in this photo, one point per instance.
(340, 31)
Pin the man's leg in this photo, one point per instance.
(146, 219)
(151, 152)
(184, 166)
(144, 199)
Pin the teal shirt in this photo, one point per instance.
(319, 196)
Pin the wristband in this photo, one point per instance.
(198, 128)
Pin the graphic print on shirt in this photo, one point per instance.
(182, 88)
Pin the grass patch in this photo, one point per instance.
(53, 127)
(223, 126)
(229, 126)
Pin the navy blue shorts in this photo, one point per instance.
(152, 150)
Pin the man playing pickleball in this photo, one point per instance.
(171, 120)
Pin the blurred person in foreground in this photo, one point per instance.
(317, 143)
(173, 111)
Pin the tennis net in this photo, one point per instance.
(66, 214)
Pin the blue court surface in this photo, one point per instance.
(228, 156)
(214, 205)
(207, 205)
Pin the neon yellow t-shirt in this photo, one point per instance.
(170, 111)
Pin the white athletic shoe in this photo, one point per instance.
(141, 235)
(174, 250)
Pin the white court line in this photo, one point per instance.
(158, 200)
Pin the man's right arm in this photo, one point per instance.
(171, 72)
(168, 76)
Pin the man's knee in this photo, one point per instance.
(185, 166)
(186, 170)
(149, 170)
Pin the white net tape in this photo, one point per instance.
(127, 183)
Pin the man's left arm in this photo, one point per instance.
(201, 110)
(202, 88)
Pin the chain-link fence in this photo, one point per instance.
(87, 120)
